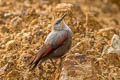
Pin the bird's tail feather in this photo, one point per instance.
(33, 66)
(34, 63)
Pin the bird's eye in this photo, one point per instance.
(56, 22)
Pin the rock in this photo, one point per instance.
(15, 21)
(7, 15)
(114, 46)
(27, 3)
(10, 44)
(78, 67)
(115, 42)
(2, 69)
(26, 35)
(113, 51)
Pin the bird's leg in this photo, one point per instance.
(60, 64)
(61, 61)
(53, 65)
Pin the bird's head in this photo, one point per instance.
(59, 23)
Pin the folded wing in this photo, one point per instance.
(53, 41)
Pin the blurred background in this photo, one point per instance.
(24, 25)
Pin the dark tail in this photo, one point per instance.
(34, 63)
(33, 66)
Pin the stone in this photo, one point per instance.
(15, 21)
(114, 47)
(7, 15)
(10, 44)
(78, 67)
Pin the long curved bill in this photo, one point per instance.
(63, 16)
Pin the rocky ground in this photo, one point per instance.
(24, 25)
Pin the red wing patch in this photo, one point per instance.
(48, 50)
(63, 39)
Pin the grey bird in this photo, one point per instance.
(57, 43)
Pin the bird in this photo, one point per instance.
(57, 43)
